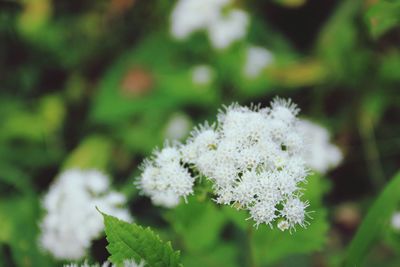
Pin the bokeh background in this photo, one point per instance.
(99, 84)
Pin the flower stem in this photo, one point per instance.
(250, 248)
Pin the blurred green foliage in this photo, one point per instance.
(93, 84)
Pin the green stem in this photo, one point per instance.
(250, 247)
(371, 152)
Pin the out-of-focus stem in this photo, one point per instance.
(374, 166)
(250, 249)
(302, 73)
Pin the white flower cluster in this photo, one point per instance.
(164, 178)
(253, 156)
(127, 263)
(320, 155)
(72, 221)
(224, 26)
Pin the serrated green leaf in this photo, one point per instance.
(376, 221)
(131, 241)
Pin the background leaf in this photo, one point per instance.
(377, 219)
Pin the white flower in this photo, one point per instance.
(164, 179)
(202, 75)
(254, 158)
(396, 221)
(224, 26)
(257, 59)
(283, 225)
(294, 211)
(200, 146)
(320, 154)
(192, 15)
(228, 28)
(72, 221)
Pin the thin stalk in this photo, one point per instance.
(250, 247)
(371, 151)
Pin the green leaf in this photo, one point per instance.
(382, 16)
(39, 124)
(131, 241)
(221, 255)
(376, 221)
(19, 230)
(199, 224)
(291, 3)
(148, 78)
(339, 46)
(93, 152)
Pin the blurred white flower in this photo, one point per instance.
(319, 154)
(228, 28)
(396, 221)
(164, 179)
(202, 75)
(72, 221)
(223, 26)
(253, 157)
(177, 127)
(257, 59)
(192, 15)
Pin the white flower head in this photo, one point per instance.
(164, 179)
(294, 211)
(72, 221)
(257, 59)
(253, 157)
(319, 153)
